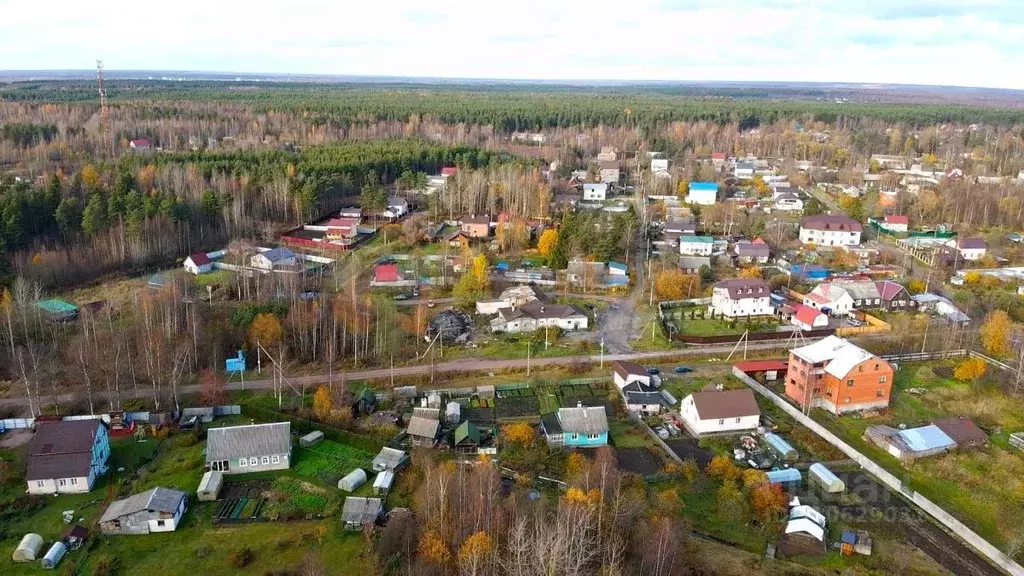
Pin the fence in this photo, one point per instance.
(992, 361)
(966, 534)
(1017, 440)
(924, 356)
(874, 326)
(16, 423)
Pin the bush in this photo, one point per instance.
(241, 557)
(105, 565)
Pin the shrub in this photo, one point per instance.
(241, 557)
(105, 565)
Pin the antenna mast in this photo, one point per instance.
(104, 112)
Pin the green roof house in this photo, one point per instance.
(467, 436)
(58, 310)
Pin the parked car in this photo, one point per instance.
(854, 322)
(430, 303)
(661, 432)
(400, 297)
(653, 371)
(682, 370)
(672, 429)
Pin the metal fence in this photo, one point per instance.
(16, 423)
(924, 356)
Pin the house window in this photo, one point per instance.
(593, 436)
(242, 462)
(275, 459)
(880, 394)
(40, 483)
(253, 461)
(860, 368)
(883, 379)
(847, 399)
(74, 481)
(876, 365)
(737, 420)
(265, 460)
(62, 482)
(849, 383)
(575, 436)
(721, 421)
(159, 522)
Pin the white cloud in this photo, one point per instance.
(889, 41)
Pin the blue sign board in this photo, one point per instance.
(235, 364)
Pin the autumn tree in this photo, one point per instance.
(323, 402)
(519, 433)
(751, 273)
(767, 501)
(971, 369)
(753, 477)
(723, 468)
(475, 553)
(916, 286)
(995, 333)
(480, 273)
(548, 241)
(265, 329)
(433, 548)
(672, 284)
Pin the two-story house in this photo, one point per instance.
(477, 226)
(67, 456)
(756, 252)
(741, 297)
(839, 376)
(894, 296)
(829, 297)
(703, 193)
(830, 230)
(596, 192)
(693, 245)
(610, 172)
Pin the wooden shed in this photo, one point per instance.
(311, 439)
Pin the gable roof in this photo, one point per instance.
(704, 186)
(140, 142)
(583, 420)
(361, 510)
(694, 262)
(247, 441)
(423, 427)
(861, 290)
(714, 404)
(449, 170)
(961, 430)
(625, 369)
(483, 219)
(925, 438)
(740, 288)
(467, 430)
(806, 314)
(821, 351)
(156, 500)
(834, 222)
(971, 244)
(893, 219)
(65, 437)
(199, 258)
(753, 249)
(827, 293)
(846, 358)
(887, 289)
(278, 254)
(638, 393)
(694, 239)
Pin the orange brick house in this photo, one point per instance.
(838, 376)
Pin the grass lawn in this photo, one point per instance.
(709, 327)
(214, 278)
(625, 434)
(512, 347)
(985, 488)
(700, 506)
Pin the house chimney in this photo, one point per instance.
(579, 404)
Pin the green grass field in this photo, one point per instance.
(329, 461)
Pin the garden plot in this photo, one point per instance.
(330, 461)
(585, 394)
(638, 461)
(520, 403)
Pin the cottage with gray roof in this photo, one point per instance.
(580, 427)
(252, 448)
(358, 512)
(272, 259)
(156, 510)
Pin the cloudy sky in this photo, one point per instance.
(978, 43)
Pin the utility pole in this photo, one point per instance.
(528, 343)
(602, 351)
(104, 111)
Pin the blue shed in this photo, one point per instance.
(786, 476)
(236, 364)
(809, 272)
(781, 447)
(703, 186)
(503, 266)
(617, 268)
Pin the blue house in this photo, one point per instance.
(809, 272)
(581, 427)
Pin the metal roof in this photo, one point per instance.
(248, 441)
(784, 475)
(583, 420)
(55, 306)
(389, 458)
(277, 254)
(423, 427)
(361, 510)
(62, 449)
(467, 430)
(926, 438)
(718, 404)
(704, 186)
(156, 500)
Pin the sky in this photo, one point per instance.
(976, 43)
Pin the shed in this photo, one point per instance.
(358, 512)
(311, 439)
(433, 400)
(353, 481)
(390, 459)
(781, 447)
(453, 412)
(53, 555)
(466, 436)
(209, 486)
(28, 548)
(382, 483)
(824, 477)
(786, 476)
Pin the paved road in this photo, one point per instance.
(553, 295)
(462, 365)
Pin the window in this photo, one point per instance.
(876, 365)
(265, 460)
(738, 420)
(39, 483)
(721, 421)
(74, 481)
(575, 436)
(593, 436)
(159, 522)
(847, 399)
(880, 394)
(253, 461)
(860, 368)
(849, 383)
(242, 462)
(62, 482)
(275, 459)
(883, 379)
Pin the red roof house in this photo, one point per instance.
(449, 170)
(897, 220)
(387, 272)
(718, 156)
(808, 318)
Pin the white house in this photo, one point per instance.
(275, 258)
(156, 510)
(743, 170)
(720, 411)
(513, 297)
(610, 172)
(596, 191)
(832, 297)
(739, 297)
(67, 456)
(537, 315)
(692, 245)
(198, 263)
(659, 165)
(788, 201)
(830, 230)
(397, 207)
(895, 223)
(643, 399)
(969, 248)
(807, 318)
(703, 193)
(625, 373)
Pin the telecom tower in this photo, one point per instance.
(104, 112)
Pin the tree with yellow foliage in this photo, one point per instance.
(995, 333)
(722, 467)
(752, 477)
(916, 286)
(672, 284)
(475, 553)
(265, 329)
(548, 241)
(518, 433)
(323, 403)
(480, 273)
(433, 548)
(760, 187)
(575, 466)
(751, 273)
(767, 501)
(90, 178)
(971, 369)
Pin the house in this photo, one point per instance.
(965, 433)
(696, 245)
(680, 226)
(364, 402)
(741, 297)
(942, 306)
(659, 165)
(911, 443)
(608, 154)
(397, 207)
(513, 297)
(756, 252)
(693, 264)
(890, 161)
(424, 426)
(743, 170)
(597, 192)
(466, 437)
(272, 259)
(459, 239)
(609, 172)
(140, 145)
(341, 228)
(353, 212)
(716, 411)
(969, 248)
(579, 427)
(894, 296)
(198, 263)
(836, 375)
(67, 456)
(830, 230)
(357, 513)
(449, 171)
(895, 223)
(788, 201)
(387, 272)
(537, 315)
(703, 193)
(808, 318)
(863, 292)
(624, 373)
(718, 159)
(390, 459)
(477, 226)
(249, 448)
(583, 273)
(643, 399)
(156, 510)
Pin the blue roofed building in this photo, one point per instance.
(274, 258)
(912, 443)
(808, 272)
(785, 477)
(618, 269)
(703, 193)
